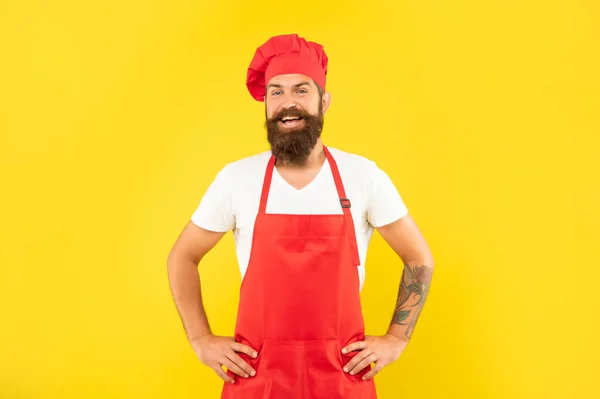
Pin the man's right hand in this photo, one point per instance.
(216, 351)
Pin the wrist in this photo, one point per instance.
(193, 340)
(397, 331)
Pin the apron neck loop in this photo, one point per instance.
(344, 202)
(266, 186)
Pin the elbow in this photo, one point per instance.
(176, 259)
(429, 261)
(422, 259)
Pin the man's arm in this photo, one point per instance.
(407, 241)
(405, 238)
(182, 266)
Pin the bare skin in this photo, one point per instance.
(182, 265)
(414, 286)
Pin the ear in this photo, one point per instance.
(326, 101)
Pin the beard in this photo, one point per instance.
(293, 145)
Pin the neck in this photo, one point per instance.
(315, 159)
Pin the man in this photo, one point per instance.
(302, 215)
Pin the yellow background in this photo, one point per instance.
(115, 117)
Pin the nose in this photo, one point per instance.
(287, 101)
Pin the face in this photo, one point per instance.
(294, 111)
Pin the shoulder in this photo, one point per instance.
(356, 164)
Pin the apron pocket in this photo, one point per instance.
(354, 387)
(326, 378)
(290, 369)
(246, 388)
(283, 369)
(323, 368)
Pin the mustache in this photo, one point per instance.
(294, 112)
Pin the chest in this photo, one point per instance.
(297, 179)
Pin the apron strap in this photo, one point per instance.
(266, 186)
(344, 202)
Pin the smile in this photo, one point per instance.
(291, 121)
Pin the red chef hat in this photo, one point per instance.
(285, 54)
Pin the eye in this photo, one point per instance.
(274, 93)
(302, 91)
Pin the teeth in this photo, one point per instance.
(288, 118)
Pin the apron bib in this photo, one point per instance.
(300, 304)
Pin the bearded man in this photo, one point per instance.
(302, 215)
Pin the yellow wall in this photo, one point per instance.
(115, 116)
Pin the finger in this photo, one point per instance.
(241, 363)
(224, 376)
(373, 371)
(356, 359)
(234, 367)
(357, 345)
(363, 363)
(236, 346)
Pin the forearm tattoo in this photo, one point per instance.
(414, 285)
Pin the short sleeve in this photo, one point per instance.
(215, 211)
(384, 203)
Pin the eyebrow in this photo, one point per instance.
(280, 86)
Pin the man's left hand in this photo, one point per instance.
(381, 350)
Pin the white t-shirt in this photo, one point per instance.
(231, 201)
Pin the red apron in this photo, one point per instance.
(300, 304)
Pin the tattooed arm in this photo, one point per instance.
(407, 241)
(405, 238)
(414, 286)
